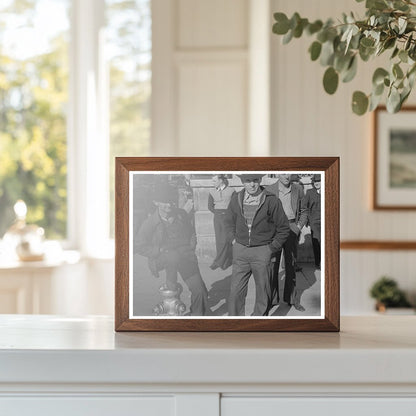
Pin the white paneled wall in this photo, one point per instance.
(203, 67)
(212, 105)
(223, 86)
(308, 122)
(212, 24)
(359, 269)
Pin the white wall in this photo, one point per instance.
(211, 92)
(211, 85)
(308, 122)
(200, 79)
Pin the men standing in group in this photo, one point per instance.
(312, 203)
(218, 200)
(255, 220)
(167, 238)
(291, 196)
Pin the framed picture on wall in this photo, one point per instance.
(227, 244)
(394, 178)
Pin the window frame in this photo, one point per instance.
(87, 133)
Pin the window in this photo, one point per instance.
(129, 46)
(75, 87)
(33, 98)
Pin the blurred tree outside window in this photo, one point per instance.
(34, 94)
(129, 52)
(33, 101)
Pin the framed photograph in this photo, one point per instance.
(394, 178)
(227, 244)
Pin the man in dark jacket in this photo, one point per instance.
(255, 220)
(167, 238)
(312, 204)
(291, 195)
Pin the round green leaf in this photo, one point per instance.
(314, 27)
(395, 52)
(376, 4)
(408, 42)
(397, 71)
(300, 25)
(393, 101)
(288, 37)
(389, 43)
(403, 56)
(379, 75)
(281, 27)
(351, 71)
(330, 80)
(374, 102)
(412, 52)
(378, 90)
(315, 50)
(342, 61)
(294, 20)
(366, 53)
(359, 103)
(322, 36)
(403, 97)
(367, 42)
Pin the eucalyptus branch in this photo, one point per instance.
(389, 25)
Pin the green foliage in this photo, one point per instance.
(386, 291)
(33, 99)
(359, 103)
(330, 80)
(34, 102)
(388, 26)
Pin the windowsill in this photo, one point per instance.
(57, 254)
(50, 261)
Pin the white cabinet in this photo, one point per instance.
(53, 365)
(88, 406)
(270, 406)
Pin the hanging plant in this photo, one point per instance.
(389, 27)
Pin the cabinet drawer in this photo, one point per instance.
(273, 406)
(87, 406)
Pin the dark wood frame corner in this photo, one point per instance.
(375, 205)
(330, 165)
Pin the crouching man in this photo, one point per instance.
(255, 220)
(167, 238)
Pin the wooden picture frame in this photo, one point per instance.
(132, 276)
(394, 159)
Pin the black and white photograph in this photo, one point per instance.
(226, 244)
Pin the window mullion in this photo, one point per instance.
(88, 136)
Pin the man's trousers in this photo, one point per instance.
(290, 248)
(249, 261)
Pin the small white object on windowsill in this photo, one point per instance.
(26, 242)
(24, 246)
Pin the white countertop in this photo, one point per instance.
(53, 349)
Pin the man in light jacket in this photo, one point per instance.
(291, 196)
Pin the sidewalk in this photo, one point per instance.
(146, 290)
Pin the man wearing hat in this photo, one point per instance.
(255, 220)
(291, 196)
(167, 238)
(312, 204)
